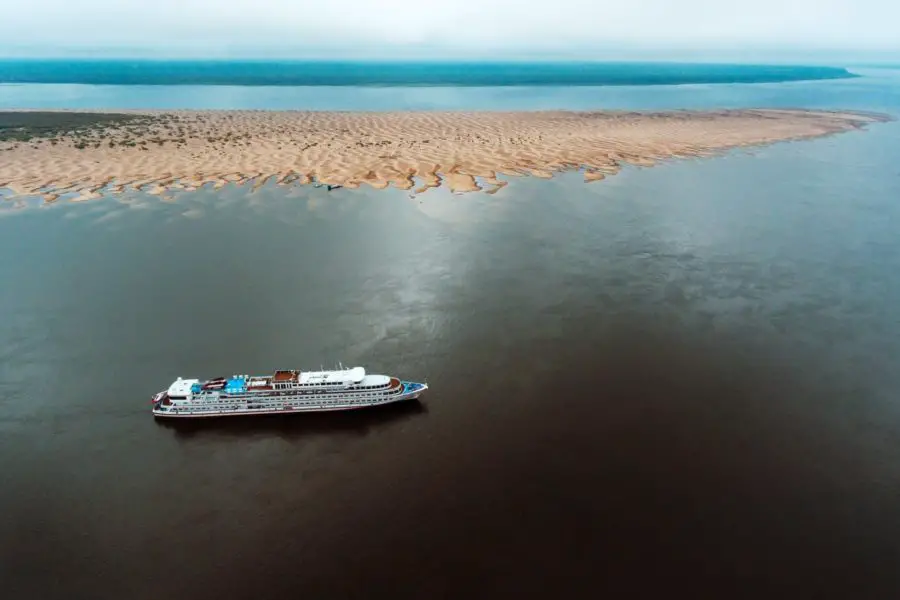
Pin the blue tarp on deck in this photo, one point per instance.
(235, 385)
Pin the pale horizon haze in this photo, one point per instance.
(774, 30)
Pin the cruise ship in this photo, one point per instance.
(282, 392)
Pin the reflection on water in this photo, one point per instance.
(681, 377)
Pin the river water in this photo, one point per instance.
(679, 380)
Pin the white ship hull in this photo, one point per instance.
(284, 393)
(284, 408)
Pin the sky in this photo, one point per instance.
(588, 29)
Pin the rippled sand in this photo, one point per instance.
(185, 149)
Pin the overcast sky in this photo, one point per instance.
(442, 28)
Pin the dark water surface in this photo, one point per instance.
(680, 380)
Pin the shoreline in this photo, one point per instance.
(94, 153)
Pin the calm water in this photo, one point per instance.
(877, 89)
(430, 73)
(681, 379)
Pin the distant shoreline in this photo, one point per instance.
(87, 154)
(396, 73)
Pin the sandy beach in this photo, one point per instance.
(158, 151)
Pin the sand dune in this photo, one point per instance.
(186, 149)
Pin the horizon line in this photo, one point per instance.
(799, 62)
(844, 64)
(731, 54)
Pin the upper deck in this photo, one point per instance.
(346, 376)
(280, 380)
(285, 376)
(180, 388)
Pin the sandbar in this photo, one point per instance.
(158, 151)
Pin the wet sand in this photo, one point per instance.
(158, 151)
